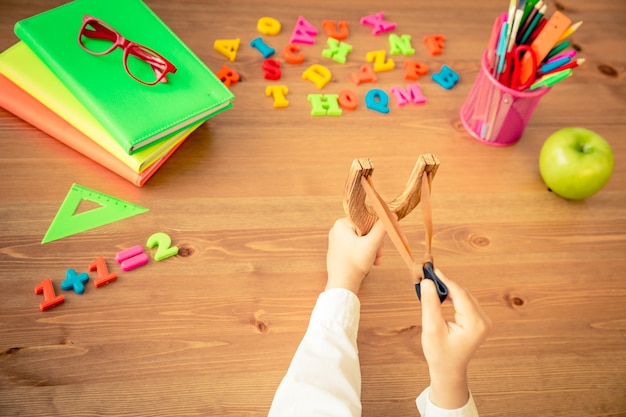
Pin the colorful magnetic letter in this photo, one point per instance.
(304, 32)
(412, 94)
(278, 92)
(378, 58)
(446, 78)
(348, 99)
(104, 276)
(324, 105)
(379, 24)
(378, 100)
(50, 299)
(400, 45)
(318, 74)
(74, 281)
(337, 50)
(165, 248)
(292, 54)
(227, 47)
(365, 75)
(330, 26)
(227, 76)
(268, 26)
(434, 43)
(413, 69)
(262, 47)
(271, 69)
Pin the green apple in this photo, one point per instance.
(575, 163)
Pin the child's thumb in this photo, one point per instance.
(431, 306)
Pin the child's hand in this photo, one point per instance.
(449, 345)
(350, 257)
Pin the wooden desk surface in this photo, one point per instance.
(249, 199)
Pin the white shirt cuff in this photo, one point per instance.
(428, 409)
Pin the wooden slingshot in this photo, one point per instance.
(362, 215)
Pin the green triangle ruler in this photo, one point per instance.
(67, 222)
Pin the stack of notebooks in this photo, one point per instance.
(91, 102)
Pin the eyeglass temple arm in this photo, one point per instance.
(100, 32)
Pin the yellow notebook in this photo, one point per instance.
(20, 65)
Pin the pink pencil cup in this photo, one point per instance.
(495, 114)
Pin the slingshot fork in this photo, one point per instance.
(363, 217)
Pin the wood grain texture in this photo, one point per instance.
(249, 199)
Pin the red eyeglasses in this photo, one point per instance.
(142, 63)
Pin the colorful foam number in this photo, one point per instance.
(293, 54)
(378, 58)
(365, 74)
(227, 47)
(330, 27)
(414, 69)
(103, 275)
(303, 32)
(318, 75)
(164, 246)
(324, 104)
(262, 47)
(348, 100)
(412, 94)
(378, 23)
(338, 51)
(227, 75)
(271, 69)
(278, 92)
(400, 45)
(434, 43)
(378, 100)
(50, 299)
(129, 259)
(74, 281)
(446, 78)
(268, 26)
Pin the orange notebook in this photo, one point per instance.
(24, 106)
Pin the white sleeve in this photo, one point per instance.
(428, 409)
(324, 378)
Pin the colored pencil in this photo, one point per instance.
(553, 65)
(537, 30)
(569, 65)
(573, 28)
(533, 24)
(551, 79)
(570, 54)
(528, 21)
(557, 49)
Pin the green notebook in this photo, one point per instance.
(135, 114)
